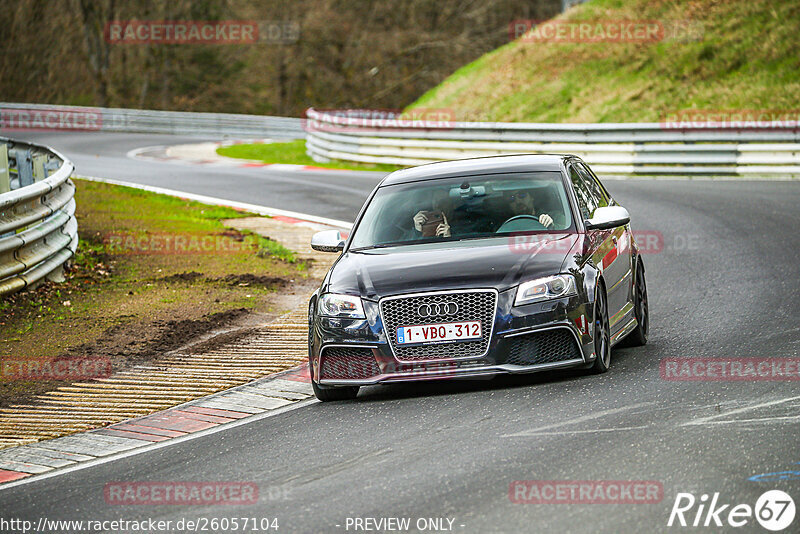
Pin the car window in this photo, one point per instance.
(594, 187)
(465, 208)
(586, 201)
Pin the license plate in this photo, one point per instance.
(439, 332)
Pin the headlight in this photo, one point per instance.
(333, 305)
(552, 287)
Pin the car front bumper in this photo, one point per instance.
(342, 351)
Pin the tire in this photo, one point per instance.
(334, 393)
(601, 333)
(641, 310)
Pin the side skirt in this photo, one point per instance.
(616, 338)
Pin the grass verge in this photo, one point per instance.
(730, 55)
(294, 152)
(152, 272)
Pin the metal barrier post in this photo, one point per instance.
(39, 170)
(5, 177)
(24, 167)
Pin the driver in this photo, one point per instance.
(521, 203)
(440, 200)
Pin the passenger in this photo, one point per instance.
(441, 203)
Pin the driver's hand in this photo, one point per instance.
(545, 220)
(419, 220)
(443, 230)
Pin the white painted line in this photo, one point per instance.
(159, 445)
(214, 201)
(284, 166)
(777, 419)
(710, 418)
(570, 432)
(581, 419)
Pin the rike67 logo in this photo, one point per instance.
(774, 510)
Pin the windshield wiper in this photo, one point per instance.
(404, 243)
(380, 245)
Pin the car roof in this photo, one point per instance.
(474, 166)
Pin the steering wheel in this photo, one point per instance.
(527, 219)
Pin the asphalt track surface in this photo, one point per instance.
(335, 195)
(725, 284)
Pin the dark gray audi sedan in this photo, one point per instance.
(475, 267)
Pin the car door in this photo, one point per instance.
(617, 259)
(603, 251)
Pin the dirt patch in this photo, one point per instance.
(241, 280)
(182, 277)
(236, 235)
(248, 279)
(129, 344)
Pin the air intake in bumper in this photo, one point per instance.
(548, 346)
(348, 363)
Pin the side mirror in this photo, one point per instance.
(328, 241)
(608, 217)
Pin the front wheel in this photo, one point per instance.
(638, 335)
(334, 393)
(602, 335)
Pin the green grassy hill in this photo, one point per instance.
(745, 55)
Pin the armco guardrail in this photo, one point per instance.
(46, 117)
(626, 148)
(38, 230)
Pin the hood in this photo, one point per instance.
(500, 263)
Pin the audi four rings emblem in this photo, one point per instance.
(440, 308)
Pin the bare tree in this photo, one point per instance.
(350, 53)
(94, 15)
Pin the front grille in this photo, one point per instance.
(348, 363)
(472, 306)
(549, 346)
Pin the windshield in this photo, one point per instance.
(465, 208)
